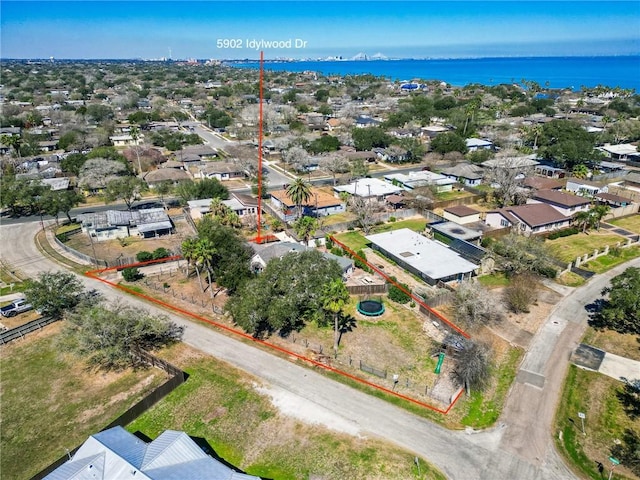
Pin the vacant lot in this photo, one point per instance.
(625, 345)
(223, 406)
(631, 223)
(569, 248)
(596, 396)
(50, 402)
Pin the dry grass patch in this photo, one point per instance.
(625, 345)
(631, 223)
(51, 401)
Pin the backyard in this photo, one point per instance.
(567, 249)
(355, 239)
(50, 402)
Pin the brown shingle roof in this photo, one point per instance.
(610, 197)
(534, 215)
(461, 211)
(560, 198)
(542, 183)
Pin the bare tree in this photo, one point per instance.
(473, 366)
(364, 209)
(297, 157)
(507, 177)
(474, 305)
(335, 164)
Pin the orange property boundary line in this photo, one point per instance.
(95, 275)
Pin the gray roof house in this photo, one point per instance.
(428, 259)
(112, 224)
(264, 253)
(116, 454)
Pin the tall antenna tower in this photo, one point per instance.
(169, 53)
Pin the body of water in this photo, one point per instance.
(555, 72)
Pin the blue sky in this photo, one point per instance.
(148, 29)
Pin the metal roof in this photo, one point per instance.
(116, 454)
(430, 257)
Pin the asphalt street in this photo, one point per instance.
(519, 447)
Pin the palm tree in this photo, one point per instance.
(334, 297)
(305, 228)
(580, 171)
(598, 213)
(299, 192)
(582, 220)
(204, 254)
(188, 252)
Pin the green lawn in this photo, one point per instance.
(493, 280)
(452, 195)
(221, 405)
(631, 223)
(567, 249)
(607, 262)
(49, 402)
(595, 395)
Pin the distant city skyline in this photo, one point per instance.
(227, 30)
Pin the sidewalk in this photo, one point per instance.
(50, 237)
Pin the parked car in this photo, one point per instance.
(15, 308)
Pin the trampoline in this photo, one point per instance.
(371, 308)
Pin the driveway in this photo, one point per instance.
(520, 447)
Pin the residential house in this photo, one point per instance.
(124, 140)
(632, 180)
(203, 151)
(56, 184)
(112, 224)
(527, 219)
(245, 206)
(160, 175)
(622, 152)
(550, 171)
(369, 188)
(585, 188)
(395, 201)
(432, 130)
(461, 214)
(565, 203)
(521, 163)
(450, 231)
(613, 200)
(320, 204)
(116, 453)
(48, 145)
(465, 174)
(266, 252)
(422, 178)
(542, 183)
(430, 260)
(474, 144)
(364, 121)
(220, 170)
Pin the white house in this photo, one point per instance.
(422, 178)
(474, 144)
(565, 203)
(244, 206)
(428, 259)
(370, 188)
(622, 151)
(124, 140)
(531, 218)
(585, 188)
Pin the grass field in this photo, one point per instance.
(567, 249)
(221, 405)
(631, 223)
(49, 402)
(494, 280)
(604, 424)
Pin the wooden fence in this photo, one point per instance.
(368, 289)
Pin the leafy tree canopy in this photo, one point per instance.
(205, 188)
(326, 143)
(621, 311)
(53, 293)
(567, 143)
(286, 295)
(371, 137)
(448, 142)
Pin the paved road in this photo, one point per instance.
(520, 447)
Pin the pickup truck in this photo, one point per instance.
(15, 308)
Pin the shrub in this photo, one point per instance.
(328, 242)
(615, 252)
(398, 295)
(159, 253)
(563, 233)
(131, 274)
(392, 219)
(361, 264)
(337, 251)
(144, 256)
(521, 293)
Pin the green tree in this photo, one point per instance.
(299, 192)
(135, 135)
(206, 188)
(305, 228)
(448, 142)
(325, 143)
(204, 255)
(216, 118)
(567, 143)
(126, 189)
(359, 168)
(67, 140)
(163, 189)
(54, 293)
(73, 162)
(109, 337)
(286, 295)
(621, 310)
(334, 298)
(582, 220)
(371, 137)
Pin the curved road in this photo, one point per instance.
(520, 447)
